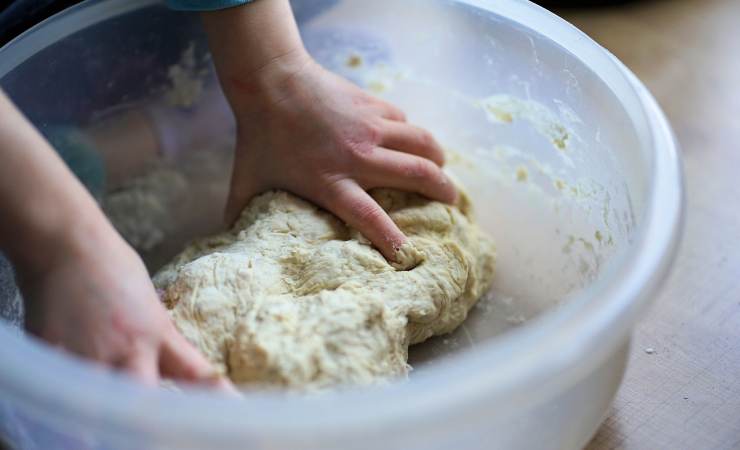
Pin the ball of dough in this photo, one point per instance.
(292, 297)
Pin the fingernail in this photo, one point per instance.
(407, 257)
(396, 244)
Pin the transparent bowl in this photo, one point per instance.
(570, 162)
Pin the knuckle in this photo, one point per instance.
(361, 143)
(396, 113)
(331, 191)
(373, 133)
(363, 98)
(359, 151)
(392, 110)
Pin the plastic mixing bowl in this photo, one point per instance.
(570, 163)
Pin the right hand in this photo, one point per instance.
(95, 299)
(306, 130)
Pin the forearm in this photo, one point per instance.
(44, 207)
(255, 47)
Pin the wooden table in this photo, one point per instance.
(682, 388)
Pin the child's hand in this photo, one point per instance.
(95, 299)
(308, 131)
(84, 288)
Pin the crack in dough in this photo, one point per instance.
(292, 297)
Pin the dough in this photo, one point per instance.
(291, 297)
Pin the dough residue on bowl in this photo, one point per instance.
(292, 297)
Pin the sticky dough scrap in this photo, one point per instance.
(292, 297)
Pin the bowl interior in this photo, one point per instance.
(547, 152)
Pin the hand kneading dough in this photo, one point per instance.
(293, 297)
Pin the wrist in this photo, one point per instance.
(255, 47)
(255, 93)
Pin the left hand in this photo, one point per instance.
(93, 297)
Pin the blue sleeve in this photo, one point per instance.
(204, 5)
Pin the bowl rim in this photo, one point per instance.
(532, 363)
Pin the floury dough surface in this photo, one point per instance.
(291, 297)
